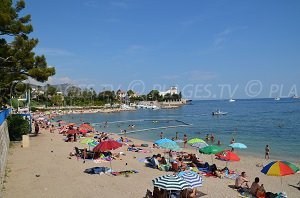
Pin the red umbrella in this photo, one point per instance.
(86, 126)
(107, 145)
(83, 130)
(72, 131)
(228, 156)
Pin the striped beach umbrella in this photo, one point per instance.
(192, 178)
(170, 182)
(279, 168)
(200, 144)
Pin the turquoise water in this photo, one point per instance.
(254, 122)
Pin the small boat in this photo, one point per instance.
(218, 112)
(295, 97)
(277, 98)
(231, 100)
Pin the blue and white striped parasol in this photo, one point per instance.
(200, 144)
(170, 182)
(192, 178)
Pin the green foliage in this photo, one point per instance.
(17, 59)
(17, 126)
(154, 95)
(51, 90)
(33, 109)
(57, 100)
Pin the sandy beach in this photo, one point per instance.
(45, 170)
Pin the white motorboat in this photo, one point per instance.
(277, 98)
(231, 100)
(218, 112)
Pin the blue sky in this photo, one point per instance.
(203, 47)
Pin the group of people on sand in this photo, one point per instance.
(256, 189)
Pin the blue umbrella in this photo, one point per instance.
(238, 145)
(161, 141)
(170, 146)
(192, 178)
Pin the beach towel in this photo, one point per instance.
(100, 160)
(97, 170)
(232, 176)
(124, 172)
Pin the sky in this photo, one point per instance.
(209, 49)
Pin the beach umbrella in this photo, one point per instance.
(72, 131)
(211, 149)
(179, 141)
(195, 140)
(170, 146)
(107, 146)
(86, 140)
(279, 168)
(238, 145)
(83, 130)
(200, 144)
(161, 141)
(193, 179)
(228, 156)
(86, 127)
(71, 124)
(93, 144)
(170, 182)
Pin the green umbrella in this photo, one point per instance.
(195, 140)
(86, 141)
(211, 149)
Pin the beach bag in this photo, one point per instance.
(144, 145)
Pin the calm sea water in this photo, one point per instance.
(254, 122)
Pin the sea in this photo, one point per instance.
(253, 122)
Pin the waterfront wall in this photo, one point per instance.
(4, 145)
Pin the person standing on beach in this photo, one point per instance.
(36, 128)
(185, 139)
(267, 152)
(161, 135)
(176, 136)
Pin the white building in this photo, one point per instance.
(171, 91)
